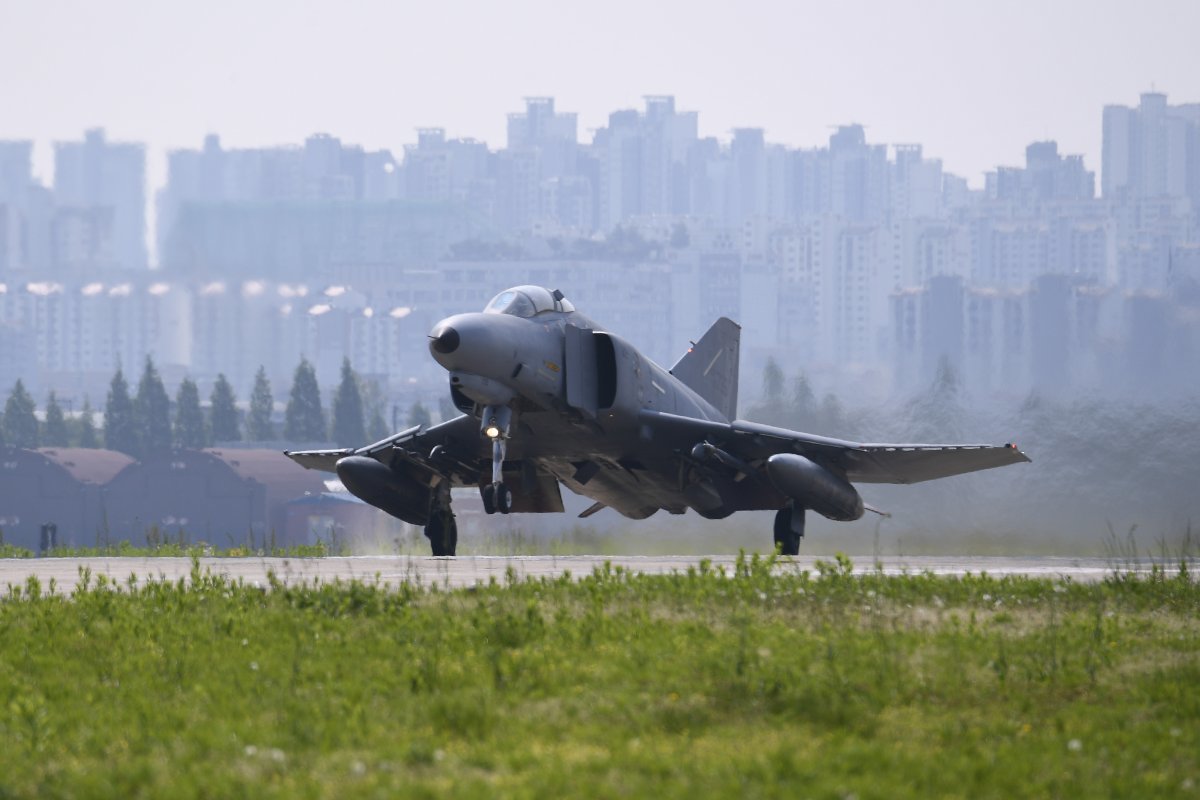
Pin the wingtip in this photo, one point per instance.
(1013, 446)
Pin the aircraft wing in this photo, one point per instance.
(457, 440)
(449, 450)
(858, 462)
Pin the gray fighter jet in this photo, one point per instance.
(549, 397)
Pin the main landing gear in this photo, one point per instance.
(496, 495)
(789, 529)
(441, 529)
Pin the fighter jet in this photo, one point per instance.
(548, 398)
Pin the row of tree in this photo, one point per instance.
(1097, 462)
(147, 421)
(932, 415)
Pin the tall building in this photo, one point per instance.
(667, 138)
(543, 150)
(1046, 177)
(428, 167)
(916, 183)
(647, 162)
(109, 178)
(540, 125)
(748, 192)
(16, 169)
(16, 179)
(858, 176)
(26, 212)
(1152, 150)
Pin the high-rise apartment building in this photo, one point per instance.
(16, 179)
(1046, 177)
(26, 212)
(645, 162)
(101, 175)
(858, 176)
(1152, 150)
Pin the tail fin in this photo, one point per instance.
(710, 367)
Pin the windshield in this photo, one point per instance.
(526, 301)
(511, 302)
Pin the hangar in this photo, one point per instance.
(63, 486)
(224, 497)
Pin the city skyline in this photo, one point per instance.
(168, 76)
(860, 261)
(157, 179)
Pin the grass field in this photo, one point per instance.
(125, 548)
(769, 683)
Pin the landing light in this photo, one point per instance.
(492, 432)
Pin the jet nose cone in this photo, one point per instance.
(444, 339)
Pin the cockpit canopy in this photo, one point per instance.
(528, 301)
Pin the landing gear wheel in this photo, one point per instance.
(442, 532)
(789, 530)
(488, 493)
(503, 498)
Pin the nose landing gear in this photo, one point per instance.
(496, 495)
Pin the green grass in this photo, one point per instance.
(197, 550)
(766, 683)
(13, 551)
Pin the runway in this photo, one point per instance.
(472, 570)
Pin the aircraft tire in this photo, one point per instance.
(787, 541)
(503, 498)
(442, 532)
(488, 493)
(450, 540)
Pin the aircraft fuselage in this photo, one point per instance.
(594, 444)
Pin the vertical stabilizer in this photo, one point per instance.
(710, 367)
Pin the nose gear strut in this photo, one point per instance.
(496, 423)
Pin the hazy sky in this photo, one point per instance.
(972, 81)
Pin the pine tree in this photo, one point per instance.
(224, 412)
(773, 392)
(190, 431)
(418, 414)
(259, 427)
(20, 421)
(446, 408)
(804, 403)
(55, 433)
(304, 420)
(119, 430)
(938, 411)
(348, 427)
(374, 406)
(152, 411)
(87, 427)
(377, 427)
(831, 416)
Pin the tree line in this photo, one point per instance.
(1097, 461)
(147, 421)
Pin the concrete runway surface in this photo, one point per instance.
(470, 570)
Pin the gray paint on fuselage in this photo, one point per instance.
(636, 477)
